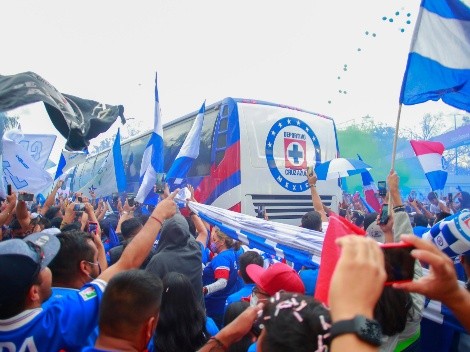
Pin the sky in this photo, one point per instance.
(343, 59)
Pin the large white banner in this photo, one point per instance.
(39, 146)
(19, 167)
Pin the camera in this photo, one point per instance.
(92, 227)
(9, 189)
(399, 263)
(382, 187)
(27, 197)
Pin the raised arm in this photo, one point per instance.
(138, 249)
(126, 213)
(316, 200)
(201, 229)
(6, 213)
(51, 197)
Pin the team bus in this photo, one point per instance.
(253, 155)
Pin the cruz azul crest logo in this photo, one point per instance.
(291, 146)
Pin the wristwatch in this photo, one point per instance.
(367, 330)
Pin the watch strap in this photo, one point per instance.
(367, 330)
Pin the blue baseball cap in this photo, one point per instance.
(21, 260)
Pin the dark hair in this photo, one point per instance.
(130, 299)
(247, 258)
(130, 227)
(420, 220)
(74, 247)
(74, 226)
(358, 217)
(432, 195)
(285, 331)
(312, 221)
(392, 310)
(182, 322)
(369, 219)
(192, 227)
(51, 212)
(441, 216)
(464, 200)
(55, 222)
(234, 310)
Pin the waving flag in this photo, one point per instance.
(68, 160)
(439, 60)
(430, 157)
(110, 177)
(188, 152)
(152, 160)
(19, 168)
(369, 188)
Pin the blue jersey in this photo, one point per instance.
(244, 294)
(60, 293)
(223, 265)
(65, 324)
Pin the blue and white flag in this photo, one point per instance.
(110, 177)
(152, 160)
(19, 168)
(188, 153)
(68, 160)
(39, 146)
(293, 243)
(369, 189)
(439, 60)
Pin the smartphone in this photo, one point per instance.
(382, 187)
(130, 199)
(9, 189)
(399, 263)
(160, 183)
(115, 197)
(450, 197)
(383, 219)
(79, 199)
(92, 227)
(309, 170)
(79, 207)
(27, 197)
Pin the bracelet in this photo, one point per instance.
(157, 220)
(218, 342)
(399, 208)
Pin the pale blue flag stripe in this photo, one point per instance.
(152, 160)
(439, 60)
(293, 243)
(188, 153)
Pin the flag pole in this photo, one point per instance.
(394, 152)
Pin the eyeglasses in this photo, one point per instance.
(257, 291)
(97, 263)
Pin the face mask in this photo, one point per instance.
(213, 247)
(253, 300)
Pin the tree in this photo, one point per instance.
(11, 122)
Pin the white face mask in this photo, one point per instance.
(253, 300)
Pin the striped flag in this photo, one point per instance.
(152, 160)
(439, 60)
(430, 157)
(188, 152)
(369, 188)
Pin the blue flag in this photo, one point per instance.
(439, 60)
(152, 160)
(188, 152)
(68, 160)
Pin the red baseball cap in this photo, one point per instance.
(277, 277)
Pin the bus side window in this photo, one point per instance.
(220, 136)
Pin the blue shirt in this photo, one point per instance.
(65, 324)
(224, 261)
(60, 293)
(244, 292)
(309, 278)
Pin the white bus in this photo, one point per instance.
(252, 154)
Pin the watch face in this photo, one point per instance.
(369, 330)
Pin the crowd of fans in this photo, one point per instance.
(79, 273)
